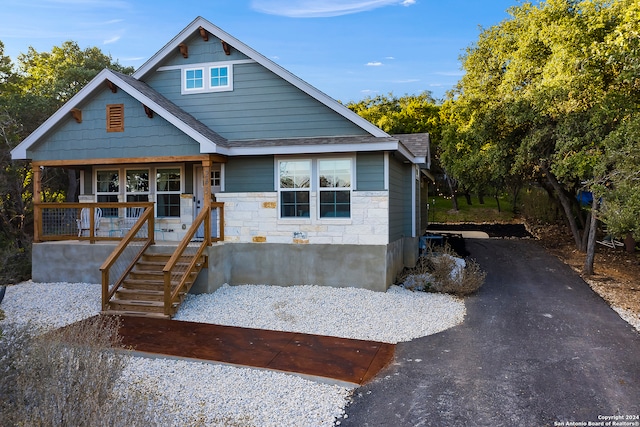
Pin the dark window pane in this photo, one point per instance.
(294, 204)
(168, 205)
(108, 198)
(335, 204)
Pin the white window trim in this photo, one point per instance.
(309, 190)
(155, 186)
(206, 73)
(314, 188)
(122, 172)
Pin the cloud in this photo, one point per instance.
(374, 64)
(406, 81)
(321, 8)
(111, 40)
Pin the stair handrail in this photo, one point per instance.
(203, 218)
(107, 290)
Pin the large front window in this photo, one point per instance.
(168, 187)
(294, 188)
(329, 179)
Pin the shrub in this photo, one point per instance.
(440, 270)
(66, 377)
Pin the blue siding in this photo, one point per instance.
(249, 174)
(370, 171)
(142, 136)
(261, 106)
(399, 200)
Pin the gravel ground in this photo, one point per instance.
(209, 394)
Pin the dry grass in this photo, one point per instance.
(438, 271)
(66, 378)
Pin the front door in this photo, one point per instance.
(216, 183)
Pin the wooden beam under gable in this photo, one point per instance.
(184, 50)
(226, 47)
(76, 113)
(204, 34)
(112, 86)
(148, 111)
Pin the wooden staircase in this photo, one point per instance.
(142, 290)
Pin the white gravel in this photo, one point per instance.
(209, 394)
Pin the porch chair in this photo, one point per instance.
(84, 222)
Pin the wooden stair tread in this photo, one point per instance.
(136, 314)
(142, 292)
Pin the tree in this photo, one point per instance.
(30, 92)
(546, 88)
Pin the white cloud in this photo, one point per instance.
(406, 81)
(111, 40)
(374, 64)
(321, 8)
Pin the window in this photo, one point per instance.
(216, 178)
(107, 190)
(334, 176)
(168, 188)
(207, 78)
(294, 188)
(194, 79)
(219, 76)
(137, 186)
(115, 118)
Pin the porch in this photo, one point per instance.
(115, 244)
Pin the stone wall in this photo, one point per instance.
(253, 218)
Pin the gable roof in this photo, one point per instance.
(414, 148)
(207, 138)
(154, 62)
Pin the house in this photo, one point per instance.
(311, 192)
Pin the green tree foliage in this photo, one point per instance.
(542, 97)
(30, 92)
(407, 114)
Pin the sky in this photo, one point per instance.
(348, 49)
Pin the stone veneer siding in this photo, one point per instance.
(253, 218)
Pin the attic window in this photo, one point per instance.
(115, 118)
(207, 78)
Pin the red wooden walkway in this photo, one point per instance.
(348, 360)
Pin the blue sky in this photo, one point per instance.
(347, 49)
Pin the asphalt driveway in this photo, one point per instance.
(537, 348)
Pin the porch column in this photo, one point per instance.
(206, 184)
(37, 198)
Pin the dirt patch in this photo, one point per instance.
(617, 272)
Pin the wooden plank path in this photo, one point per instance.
(346, 360)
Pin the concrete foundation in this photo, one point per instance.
(371, 267)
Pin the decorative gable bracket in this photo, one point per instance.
(203, 34)
(184, 50)
(226, 47)
(148, 111)
(112, 86)
(76, 113)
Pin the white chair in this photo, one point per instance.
(84, 222)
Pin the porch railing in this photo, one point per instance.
(85, 221)
(125, 256)
(189, 257)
